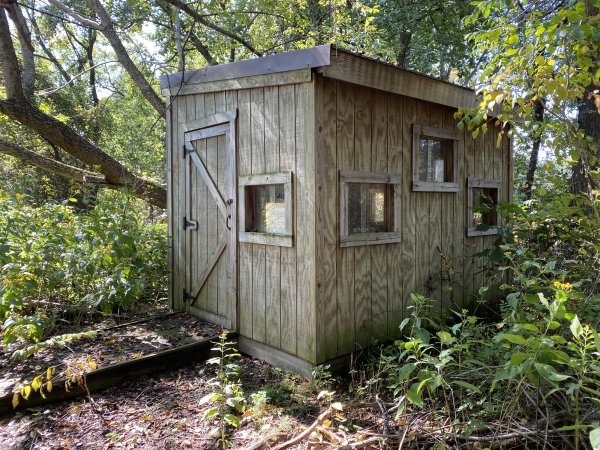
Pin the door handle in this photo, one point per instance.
(227, 222)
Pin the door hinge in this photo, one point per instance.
(187, 151)
(230, 201)
(187, 296)
(191, 224)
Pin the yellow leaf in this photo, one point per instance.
(42, 393)
(15, 400)
(26, 392)
(76, 409)
(326, 422)
(337, 405)
(92, 365)
(137, 355)
(50, 373)
(68, 372)
(49, 386)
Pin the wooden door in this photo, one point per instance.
(210, 224)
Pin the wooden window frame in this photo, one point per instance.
(448, 137)
(281, 240)
(484, 183)
(392, 182)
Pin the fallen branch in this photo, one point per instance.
(306, 432)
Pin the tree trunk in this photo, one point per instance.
(538, 116)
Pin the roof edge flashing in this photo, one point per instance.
(281, 62)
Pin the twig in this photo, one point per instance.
(263, 442)
(383, 413)
(360, 444)
(306, 432)
(547, 419)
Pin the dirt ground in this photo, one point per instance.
(163, 411)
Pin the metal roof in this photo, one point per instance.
(319, 56)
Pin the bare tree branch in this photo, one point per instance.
(78, 17)
(65, 137)
(138, 78)
(8, 60)
(50, 165)
(198, 18)
(28, 75)
(45, 49)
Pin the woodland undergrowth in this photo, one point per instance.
(63, 262)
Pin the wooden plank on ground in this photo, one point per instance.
(116, 374)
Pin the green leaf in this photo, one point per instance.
(210, 412)
(414, 396)
(467, 385)
(549, 373)
(518, 358)
(595, 438)
(576, 327)
(232, 420)
(514, 338)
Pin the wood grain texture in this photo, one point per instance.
(369, 73)
(171, 134)
(362, 256)
(310, 220)
(272, 253)
(422, 201)
(408, 206)
(379, 253)
(302, 263)
(198, 238)
(436, 221)
(395, 303)
(287, 162)
(245, 249)
(233, 268)
(257, 115)
(325, 336)
(345, 256)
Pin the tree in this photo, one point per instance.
(544, 52)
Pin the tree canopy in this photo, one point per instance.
(80, 94)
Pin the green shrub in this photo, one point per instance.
(109, 257)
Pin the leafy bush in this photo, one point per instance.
(109, 257)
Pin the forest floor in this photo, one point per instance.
(281, 409)
(165, 411)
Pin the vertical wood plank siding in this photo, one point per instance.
(317, 300)
(373, 132)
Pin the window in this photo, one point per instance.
(435, 159)
(483, 196)
(266, 209)
(369, 208)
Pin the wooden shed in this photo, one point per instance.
(311, 192)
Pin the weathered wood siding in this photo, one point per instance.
(363, 292)
(274, 283)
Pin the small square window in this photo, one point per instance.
(435, 159)
(483, 196)
(266, 209)
(369, 208)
